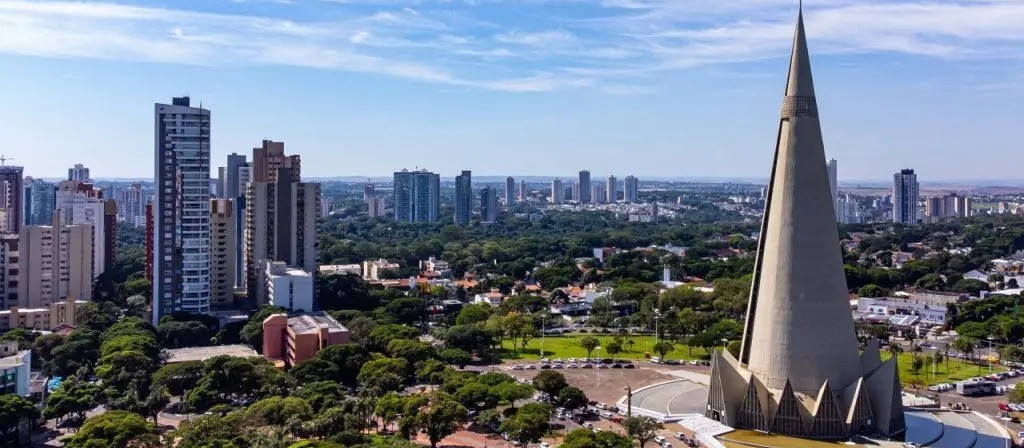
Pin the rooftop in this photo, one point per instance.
(14, 360)
(203, 353)
(311, 323)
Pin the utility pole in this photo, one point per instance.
(629, 401)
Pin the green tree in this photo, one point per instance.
(388, 408)
(614, 347)
(916, 365)
(384, 374)
(278, 410)
(115, 429)
(476, 396)
(14, 409)
(473, 313)
(643, 429)
(179, 377)
(663, 348)
(872, 290)
(73, 397)
(528, 424)
(1016, 395)
(964, 345)
(550, 382)
(585, 438)
(589, 343)
(212, 431)
(511, 392)
(456, 357)
(571, 398)
(931, 282)
(439, 417)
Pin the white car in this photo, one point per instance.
(607, 415)
(545, 445)
(660, 440)
(679, 436)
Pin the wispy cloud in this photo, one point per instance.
(507, 45)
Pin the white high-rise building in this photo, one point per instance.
(631, 190)
(77, 204)
(905, 196)
(132, 205)
(557, 191)
(833, 182)
(612, 194)
(181, 209)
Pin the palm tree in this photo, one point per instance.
(630, 343)
(895, 348)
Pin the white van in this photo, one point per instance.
(655, 360)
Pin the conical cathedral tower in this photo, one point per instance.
(800, 372)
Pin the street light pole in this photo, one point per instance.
(990, 355)
(598, 349)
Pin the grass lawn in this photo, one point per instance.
(569, 347)
(957, 370)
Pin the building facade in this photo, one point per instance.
(40, 197)
(15, 369)
(510, 189)
(377, 206)
(79, 203)
(833, 182)
(631, 189)
(523, 191)
(417, 196)
(489, 204)
(231, 183)
(11, 197)
(463, 198)
(905, 197)
(611, 193)
(584, 186)
(557, 191)
(223, 250)
(80, 173)
(949, 206)
(181, 209)
(268, 158)
(41, 319)
(289, 340)
(55, 263)
(131, 208)
(280, 226)
(9, 273)
(287, 287)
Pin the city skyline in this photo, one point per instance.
(365, 83)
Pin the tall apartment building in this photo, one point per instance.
(596, 193)
(80, 203)
(522, 191)
(80, 173)
(40, 197)
(510, 189)
(288, 287)
(489, 204)
(585, 191)
(949, 206)
(181, 209)
(55, 263)
(905, 197)
(269, 158)
(244, 177)
(132, 205)
(11, 197)
(417, 196)
(557, 191)
(223, 248)
(280, 225)
(377, 206)
(833, 182)
(232, 187)
(631, 190)
(9, 278)
(576, 193)
(463, 198)
(611, 189)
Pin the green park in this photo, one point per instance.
(570, 346)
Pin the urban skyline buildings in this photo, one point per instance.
(905, 197)
(80, 173)
(55, 264)
(463, 198)
(268, 158)
(11, 197)
(557, 191)
(489, 204)
(181, 209)
(40, 201)
(510, 188)
(417, 196)
(80, 203)
(833, 181)
(631, 189)
(611, 186)
(224, 243)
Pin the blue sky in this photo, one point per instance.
(541, 87)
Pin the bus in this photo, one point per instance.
(972, 388)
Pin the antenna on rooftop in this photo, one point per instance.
(4, 159)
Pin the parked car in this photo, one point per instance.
(672, 362)
(679, 436)
(607, 415)
(659, 439)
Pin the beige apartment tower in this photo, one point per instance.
(270, 157)
(800, 370)
(223, 245)
(280, 225)
(55, 264)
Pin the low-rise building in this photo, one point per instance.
(375, 269)
(492, 298)
(926, 313)
(188, 354)
(15, 369)
(288, 287)
(289, 340)
(40, 319)
(341, 269)
(435, 267)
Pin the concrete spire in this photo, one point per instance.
(799, 326)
